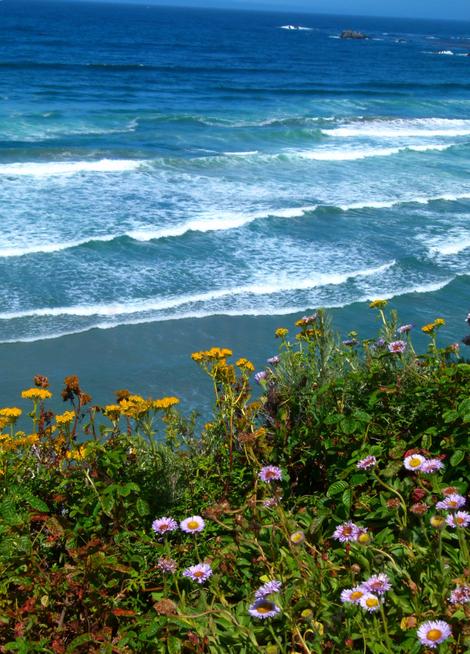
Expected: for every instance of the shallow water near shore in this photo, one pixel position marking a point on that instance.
(171, 180)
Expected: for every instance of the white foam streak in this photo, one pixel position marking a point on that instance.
(35, 169)
(262, 311)
(271, 286)
(357, 153)
(224, 222)
(423, 127)
(451, 247)
(387, 204)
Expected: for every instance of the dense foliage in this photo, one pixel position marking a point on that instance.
(326, 515)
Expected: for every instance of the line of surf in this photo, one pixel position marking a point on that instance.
(356, 154)
(271, 286)
(419, 127)
(226, 222)
(40, 169)
(191, 315)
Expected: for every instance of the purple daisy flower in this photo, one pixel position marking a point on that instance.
(350, 342)
(460, 595)
(458, 519)
(193, 524)
(433, 632)
(452, 502)
(431, 465)
(199, 573)
(368, 462)
(164, 525)
(263, 609)
(270, 473)
(353, 595)
(260, 376)
(404, 329)
(378, 584)
(370, 602)
(273, 361)
(397, 347)
(347, 532)
(167, 565)
(268, 589)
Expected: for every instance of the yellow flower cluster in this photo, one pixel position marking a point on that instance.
(281, 332)
(134, 406)
(430, 327)
(10, 415)
(20, 440)
(165, 403)
(244, 363)
(36, 394)
(216, 353)
(78, 453)
(378, 304)
(65, 418)
(113, 411)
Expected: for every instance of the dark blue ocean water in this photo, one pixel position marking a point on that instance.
(164, 164)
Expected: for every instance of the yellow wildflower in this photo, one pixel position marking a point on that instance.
(78, 453)
(429, 328)
(165, 403)
(36, 394)
(134, 406)
(112, 411)
(281, 332)
(65, 418)
(214, 353)
(10, 415)
(439, 321)
(244, 363)
(378, 304)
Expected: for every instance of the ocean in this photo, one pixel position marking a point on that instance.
(172, 179)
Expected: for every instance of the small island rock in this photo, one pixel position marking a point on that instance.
(351, 34)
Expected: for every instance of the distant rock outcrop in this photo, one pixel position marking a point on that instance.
(351, 34)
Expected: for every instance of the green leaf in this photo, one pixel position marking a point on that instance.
(142, 507)
(456, 458)
(37, 504)
(336, 488)
(346, 498)
(349, 425)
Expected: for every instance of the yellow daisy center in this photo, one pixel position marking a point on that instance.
(356, 595)
(193, 524)
(371, 601)
(198, 573)
(347, 531)
(415, 462)
(459, 520)
(364, 538)
(434, 634)
(264, 608)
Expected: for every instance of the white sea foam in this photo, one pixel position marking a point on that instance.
(199, 314)
(363, 153)
(37, 169)
(387, 204)
(271, 286)
(248, 153)
(223, 221)
(425, 127)
(449, 247)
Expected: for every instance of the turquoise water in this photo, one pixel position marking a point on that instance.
(166, 174)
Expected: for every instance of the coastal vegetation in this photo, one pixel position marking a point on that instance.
(324, 511)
